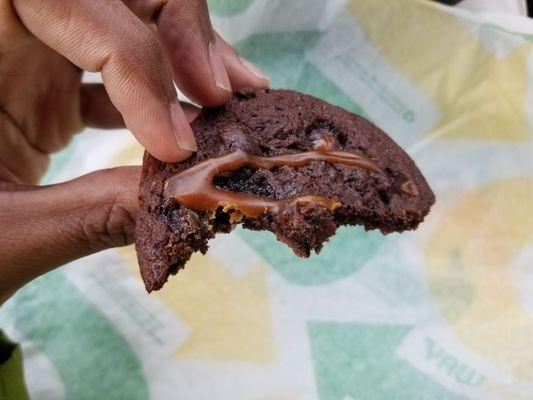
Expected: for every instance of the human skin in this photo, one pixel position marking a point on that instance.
(141, 48)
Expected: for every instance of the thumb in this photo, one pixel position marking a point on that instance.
(47, 226)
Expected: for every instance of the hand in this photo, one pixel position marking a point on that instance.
(138, 46)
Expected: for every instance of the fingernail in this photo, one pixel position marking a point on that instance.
(181, 128)
(218, 68)
(253, 69)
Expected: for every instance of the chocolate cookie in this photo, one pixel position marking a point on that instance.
(275, 160)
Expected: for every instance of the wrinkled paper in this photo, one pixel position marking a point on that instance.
(445, 312)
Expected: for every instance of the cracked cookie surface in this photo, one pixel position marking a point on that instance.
(272, 123)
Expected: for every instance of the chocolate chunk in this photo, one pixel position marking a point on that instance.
(392, 197)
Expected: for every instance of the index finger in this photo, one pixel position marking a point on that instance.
(105, 36)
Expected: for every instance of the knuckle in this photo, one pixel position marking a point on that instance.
(109, 224)
(186, 20)
(146, 10)
(12, 31)
(143, 47)
(139, 43)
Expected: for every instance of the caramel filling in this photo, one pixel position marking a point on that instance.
(194, 188)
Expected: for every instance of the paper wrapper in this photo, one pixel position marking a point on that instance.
(445, 312)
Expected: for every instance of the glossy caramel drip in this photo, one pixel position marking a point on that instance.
(194, 188)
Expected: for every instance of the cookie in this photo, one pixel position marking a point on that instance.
(275, 160)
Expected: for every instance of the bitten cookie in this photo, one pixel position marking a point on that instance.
(275, 160)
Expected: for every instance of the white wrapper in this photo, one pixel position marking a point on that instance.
(445, 312)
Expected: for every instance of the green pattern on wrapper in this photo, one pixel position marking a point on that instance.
(93, 359)
(228, 8)
(344, 254)
(282, 57)
(58, 162)
(12, 385)
(356, 361)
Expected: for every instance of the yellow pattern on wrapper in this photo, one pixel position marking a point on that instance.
(130, 154)
(440, 64)
(475, 245)
(228, 316)
(477, 237)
